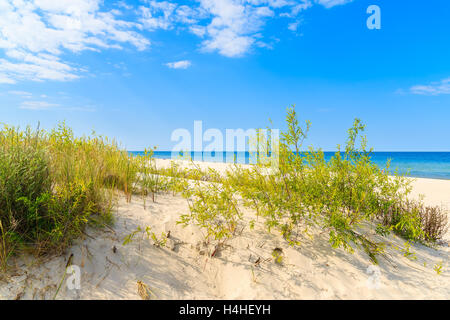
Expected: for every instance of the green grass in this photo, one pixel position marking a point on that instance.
(53, 184)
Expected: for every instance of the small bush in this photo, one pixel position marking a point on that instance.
(213, 208)
(414, 220)
(434, 222)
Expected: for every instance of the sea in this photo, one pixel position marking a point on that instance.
(434, 165)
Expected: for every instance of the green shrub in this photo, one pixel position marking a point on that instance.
(213, 208)
(348, 197)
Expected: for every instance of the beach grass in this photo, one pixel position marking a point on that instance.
(53, 184)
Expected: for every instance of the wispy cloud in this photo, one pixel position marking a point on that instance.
(41, 105)
(34, 34)
(183, 64)
(294, 26)
(123, 4)
(4, 79)
(332, 3)
(434, 88)
(24, 94)
(230, 27)
(233, 26)
(37, 105)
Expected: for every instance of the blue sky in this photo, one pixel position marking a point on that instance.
(137, 70)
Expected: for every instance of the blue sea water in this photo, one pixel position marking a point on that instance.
(434, 165)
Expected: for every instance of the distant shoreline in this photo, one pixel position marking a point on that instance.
(427, 164)
(436, 191)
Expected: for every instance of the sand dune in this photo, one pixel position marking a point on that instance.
(244, 269)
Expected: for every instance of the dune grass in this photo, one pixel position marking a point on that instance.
(53, 184)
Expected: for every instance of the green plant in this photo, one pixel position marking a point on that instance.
(213, 208)
(277, 255)
(150, 181)
(338, 196)
(161, 241)
(438, 267)
(53, 184)
(348, 196)
(147, 231)
(130, 237)
(406, 250)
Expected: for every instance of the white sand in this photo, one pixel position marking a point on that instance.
(436, 192)
(182, 271)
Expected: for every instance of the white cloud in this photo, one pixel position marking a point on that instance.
(40, 105)
(199, 31)
(167, 15)
(229, 27)
(228, 43)
(189, 15)
(434, 88)
(233, 25)
(21, 93)
(37, 35)
(34, 34)
(183, 64)
(5, 79)
(293, 26)
(298, 7)
(122, 4)
(22, 65)
(152, 22)
(306, 4)
(332, 3)
(37, 105)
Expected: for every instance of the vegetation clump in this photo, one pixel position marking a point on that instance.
(53, 184)
(348, 196)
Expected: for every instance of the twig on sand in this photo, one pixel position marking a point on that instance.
(82, 231)
(104, 277)
(108, 227)
(114, 264)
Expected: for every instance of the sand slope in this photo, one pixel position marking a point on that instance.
(244, 269)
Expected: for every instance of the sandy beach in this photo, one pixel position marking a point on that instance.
(244, 269)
